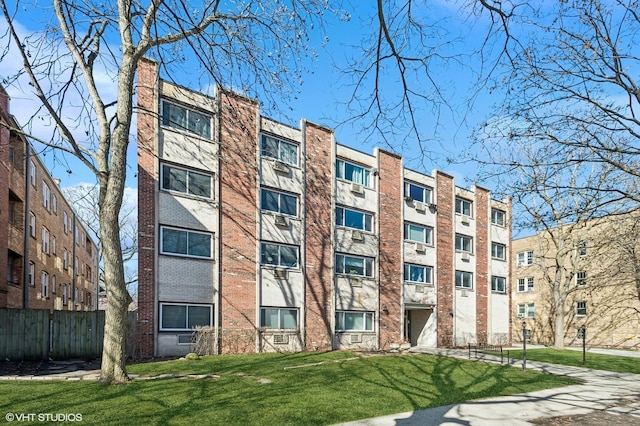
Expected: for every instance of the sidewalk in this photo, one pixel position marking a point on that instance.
(604, 398)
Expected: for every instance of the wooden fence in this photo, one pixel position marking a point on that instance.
(41, 334)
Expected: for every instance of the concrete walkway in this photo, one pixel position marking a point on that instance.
(613, 395)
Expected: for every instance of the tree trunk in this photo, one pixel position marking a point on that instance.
(558, 339)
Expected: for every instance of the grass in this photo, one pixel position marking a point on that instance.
(338, 390)
(620, 364)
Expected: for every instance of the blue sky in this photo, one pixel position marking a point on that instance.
(324, 90)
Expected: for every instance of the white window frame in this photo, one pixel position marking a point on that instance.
(32, 224)
(526, 284)
(278, 263)
(46, 236)
(497, 282)
(65, 259)
(32, 173)
(341, 173)
(280, 320)
(416, 192)
(46, 196)
(165, 122)
(65, 295)
(44, 282)
(367, 265)
(582, 248)
(187, 305)
(498, 217)
(526, 310)
(54, 246)
(464, 280)
(581, 308)
(279, 156)
(427, 273)
(54, 283)
(525, 258)
(54, 203)
(65, 222)
(187, 184)
(428, 233)
(581, 278)
(462, 241)
(367, 219)
(368, 318)
(280, 196)
(32, 274)
(188, 232)
(460, 207)
(494, 254)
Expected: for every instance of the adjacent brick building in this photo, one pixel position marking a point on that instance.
(280, 239)
(50, 260)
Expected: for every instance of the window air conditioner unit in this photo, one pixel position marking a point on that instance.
(185, 339)
(280, 274)
(355, 282)
(280, 220)
(356, 188)
(433, 208)
(419, 207)
(355, 338)
(280, 167)
(466, 257)
(465, 220)
(280, 339)
(356, 235)
(420, 248)
(464, 292)
(520, 315)
(419, 289)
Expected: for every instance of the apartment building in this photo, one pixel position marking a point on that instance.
(280, 239)
(595, 262)
(51, 262)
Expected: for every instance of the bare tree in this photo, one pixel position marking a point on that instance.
(247, 45)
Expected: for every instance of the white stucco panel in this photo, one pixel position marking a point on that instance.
(287, 292)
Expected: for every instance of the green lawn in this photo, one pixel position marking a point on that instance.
(340, 389)
(620, 364)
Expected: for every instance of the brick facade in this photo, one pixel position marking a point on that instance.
(445, 262)
(483, 254)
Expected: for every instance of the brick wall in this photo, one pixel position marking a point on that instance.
(390, 247)
(483, 253)
(238, 136)
(147, 181)
(4, 196)
(318, 229)
(445, 279)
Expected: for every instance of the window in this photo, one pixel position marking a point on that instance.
(44, 281)
(418, 273)
(32, 173)
(525, 258)
(417, 192)
(417, 233)
(278, 202)
(354, 321)
(12, 212)
(75, 266)
(463, 243)
(463, 207)
(279, 318)
(183, 317)
(65, 296)
(46, 196)
(526, 310)
(65, 259)
(45, 240)
(354, 265)
(53, 284)
(354, 219)
(498, 284)
(279, 255)
(185, 243)
(498, 217)
(186, 181)
(464, 279)
(498, 251)
(525, 284)
(65, 222)
(581, 278)
(582, 248)
(353, 173)
(12, 155)
(581, 309)
(32, 274)
(278, 149)
(32, 224)
(182, 118)
(54, 203)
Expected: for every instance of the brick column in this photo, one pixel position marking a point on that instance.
(482, 250)
(445, 279)
(319, 180)
(4, 196)
(238, 138)
(147, 184)
(390, 192)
